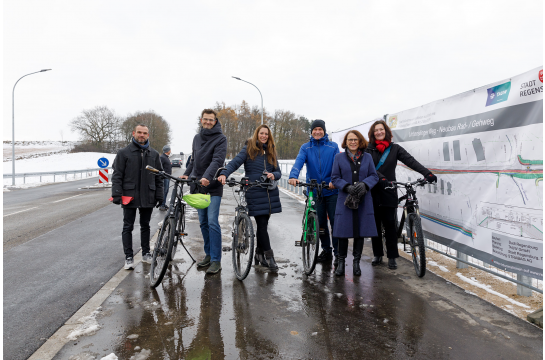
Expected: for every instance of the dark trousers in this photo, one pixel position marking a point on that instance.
(357, 248)
(262, 235)
(166, 183)
(325, 207)
(386, 216)
(129, 215)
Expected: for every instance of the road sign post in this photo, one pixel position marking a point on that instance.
(103, 172)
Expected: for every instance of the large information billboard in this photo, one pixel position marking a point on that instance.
(486, 148)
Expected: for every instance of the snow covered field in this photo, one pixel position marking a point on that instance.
(33, 149)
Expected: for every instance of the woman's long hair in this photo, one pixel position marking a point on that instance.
(254, 150)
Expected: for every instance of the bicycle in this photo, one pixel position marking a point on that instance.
(172, 231)
(243, 229)
(310, 239)
(414, 224)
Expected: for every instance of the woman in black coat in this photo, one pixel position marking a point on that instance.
(385, 201)
(259, 155)
(353, 173)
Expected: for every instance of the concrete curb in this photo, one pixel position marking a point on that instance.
(60, 338)
(536, 317)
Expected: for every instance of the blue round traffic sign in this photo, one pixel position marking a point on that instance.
(103, 163)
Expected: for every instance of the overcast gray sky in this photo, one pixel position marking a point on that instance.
(346, 62)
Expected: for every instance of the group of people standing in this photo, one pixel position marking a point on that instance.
(357, 201)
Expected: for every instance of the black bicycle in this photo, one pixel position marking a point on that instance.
(411, 214)
(310, 239)
(172, 231)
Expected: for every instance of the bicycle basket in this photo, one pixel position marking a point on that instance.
(198, 201)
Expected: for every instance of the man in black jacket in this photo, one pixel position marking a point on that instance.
(167, 167)
(208, 155)
(131, 179)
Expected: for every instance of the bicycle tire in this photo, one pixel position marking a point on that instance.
(418, 249)
(383, 238)
(243, 246)
(311, 244)
(162, 252)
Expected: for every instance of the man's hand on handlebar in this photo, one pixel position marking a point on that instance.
(184, 177)
(222, 179)
(293, 182)
(331, 186)
(205, 182)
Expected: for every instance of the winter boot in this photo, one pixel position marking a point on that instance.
(339, 271)
(258, 257)
(357, 250)
(269, 260)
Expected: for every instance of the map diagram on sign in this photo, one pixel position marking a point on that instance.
(515, 221)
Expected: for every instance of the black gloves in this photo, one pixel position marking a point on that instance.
(159, 202)
(116, 200)
(384, 182)
(431, 178)
(349, 189)
(360, 190)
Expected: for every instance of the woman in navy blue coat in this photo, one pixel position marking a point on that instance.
(354, 175)
(259, 155)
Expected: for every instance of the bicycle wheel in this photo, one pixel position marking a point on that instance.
(311, 244)
(180, 229)
(418, 249)
(243, 246)
(161, 252)
(383, 236)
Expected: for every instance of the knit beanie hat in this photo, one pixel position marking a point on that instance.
(166, 149)
(317, 123)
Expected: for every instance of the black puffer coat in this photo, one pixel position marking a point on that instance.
(260, 201)
(131, 178)
(388, 197)
(208, 155)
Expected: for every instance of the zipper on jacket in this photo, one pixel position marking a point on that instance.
(268, 196)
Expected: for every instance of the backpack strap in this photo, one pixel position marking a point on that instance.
(383, 158)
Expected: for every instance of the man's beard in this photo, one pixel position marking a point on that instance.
(140, 141)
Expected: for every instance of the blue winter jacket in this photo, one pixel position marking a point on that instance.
(318, 155)
(260, 201)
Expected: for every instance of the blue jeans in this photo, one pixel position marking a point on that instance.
(166, 183)
(210, 228)
(325, 206)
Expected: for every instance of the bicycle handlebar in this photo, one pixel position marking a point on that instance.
(162, 173)
(396, 184)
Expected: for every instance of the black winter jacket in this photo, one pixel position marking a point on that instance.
(208, 155)
(167, 165)
(131, 178)
(388, 197)
(260, 201)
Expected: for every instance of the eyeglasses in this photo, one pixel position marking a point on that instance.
(352, 140)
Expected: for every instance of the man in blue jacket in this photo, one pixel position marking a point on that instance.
(318, 155)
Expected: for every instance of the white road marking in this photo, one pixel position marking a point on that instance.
(66, 198)
(21, 211)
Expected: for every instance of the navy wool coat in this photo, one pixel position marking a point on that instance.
(342, 175)
(260, 201)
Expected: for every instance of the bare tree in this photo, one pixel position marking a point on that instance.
(159, 128)
(98, 127)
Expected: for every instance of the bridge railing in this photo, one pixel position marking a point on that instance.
(47, 176)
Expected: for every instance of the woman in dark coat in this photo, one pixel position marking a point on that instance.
(259, 155)
(354, 175)
(385, 201)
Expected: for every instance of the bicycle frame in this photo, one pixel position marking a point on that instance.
(309, 207)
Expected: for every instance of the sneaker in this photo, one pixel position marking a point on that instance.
(129, 264)
(324, 256)
(215, 266)
(146, 258)
(163, 208)
(204, 262)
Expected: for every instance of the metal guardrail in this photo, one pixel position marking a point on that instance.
(88, 173)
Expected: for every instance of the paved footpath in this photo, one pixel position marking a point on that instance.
(382, 314)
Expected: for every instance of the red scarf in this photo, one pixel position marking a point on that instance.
(381, 145)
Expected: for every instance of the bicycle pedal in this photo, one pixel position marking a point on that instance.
(298, 243)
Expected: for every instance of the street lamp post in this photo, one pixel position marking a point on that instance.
(234, 77)
(13, 126)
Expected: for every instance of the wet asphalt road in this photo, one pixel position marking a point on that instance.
(56, 257)
(383, 314)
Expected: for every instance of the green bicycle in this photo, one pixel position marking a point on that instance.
(310, 239)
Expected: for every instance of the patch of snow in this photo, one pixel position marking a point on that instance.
(487, 288)
(88, 326)
(110, 357)
(143, 355)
